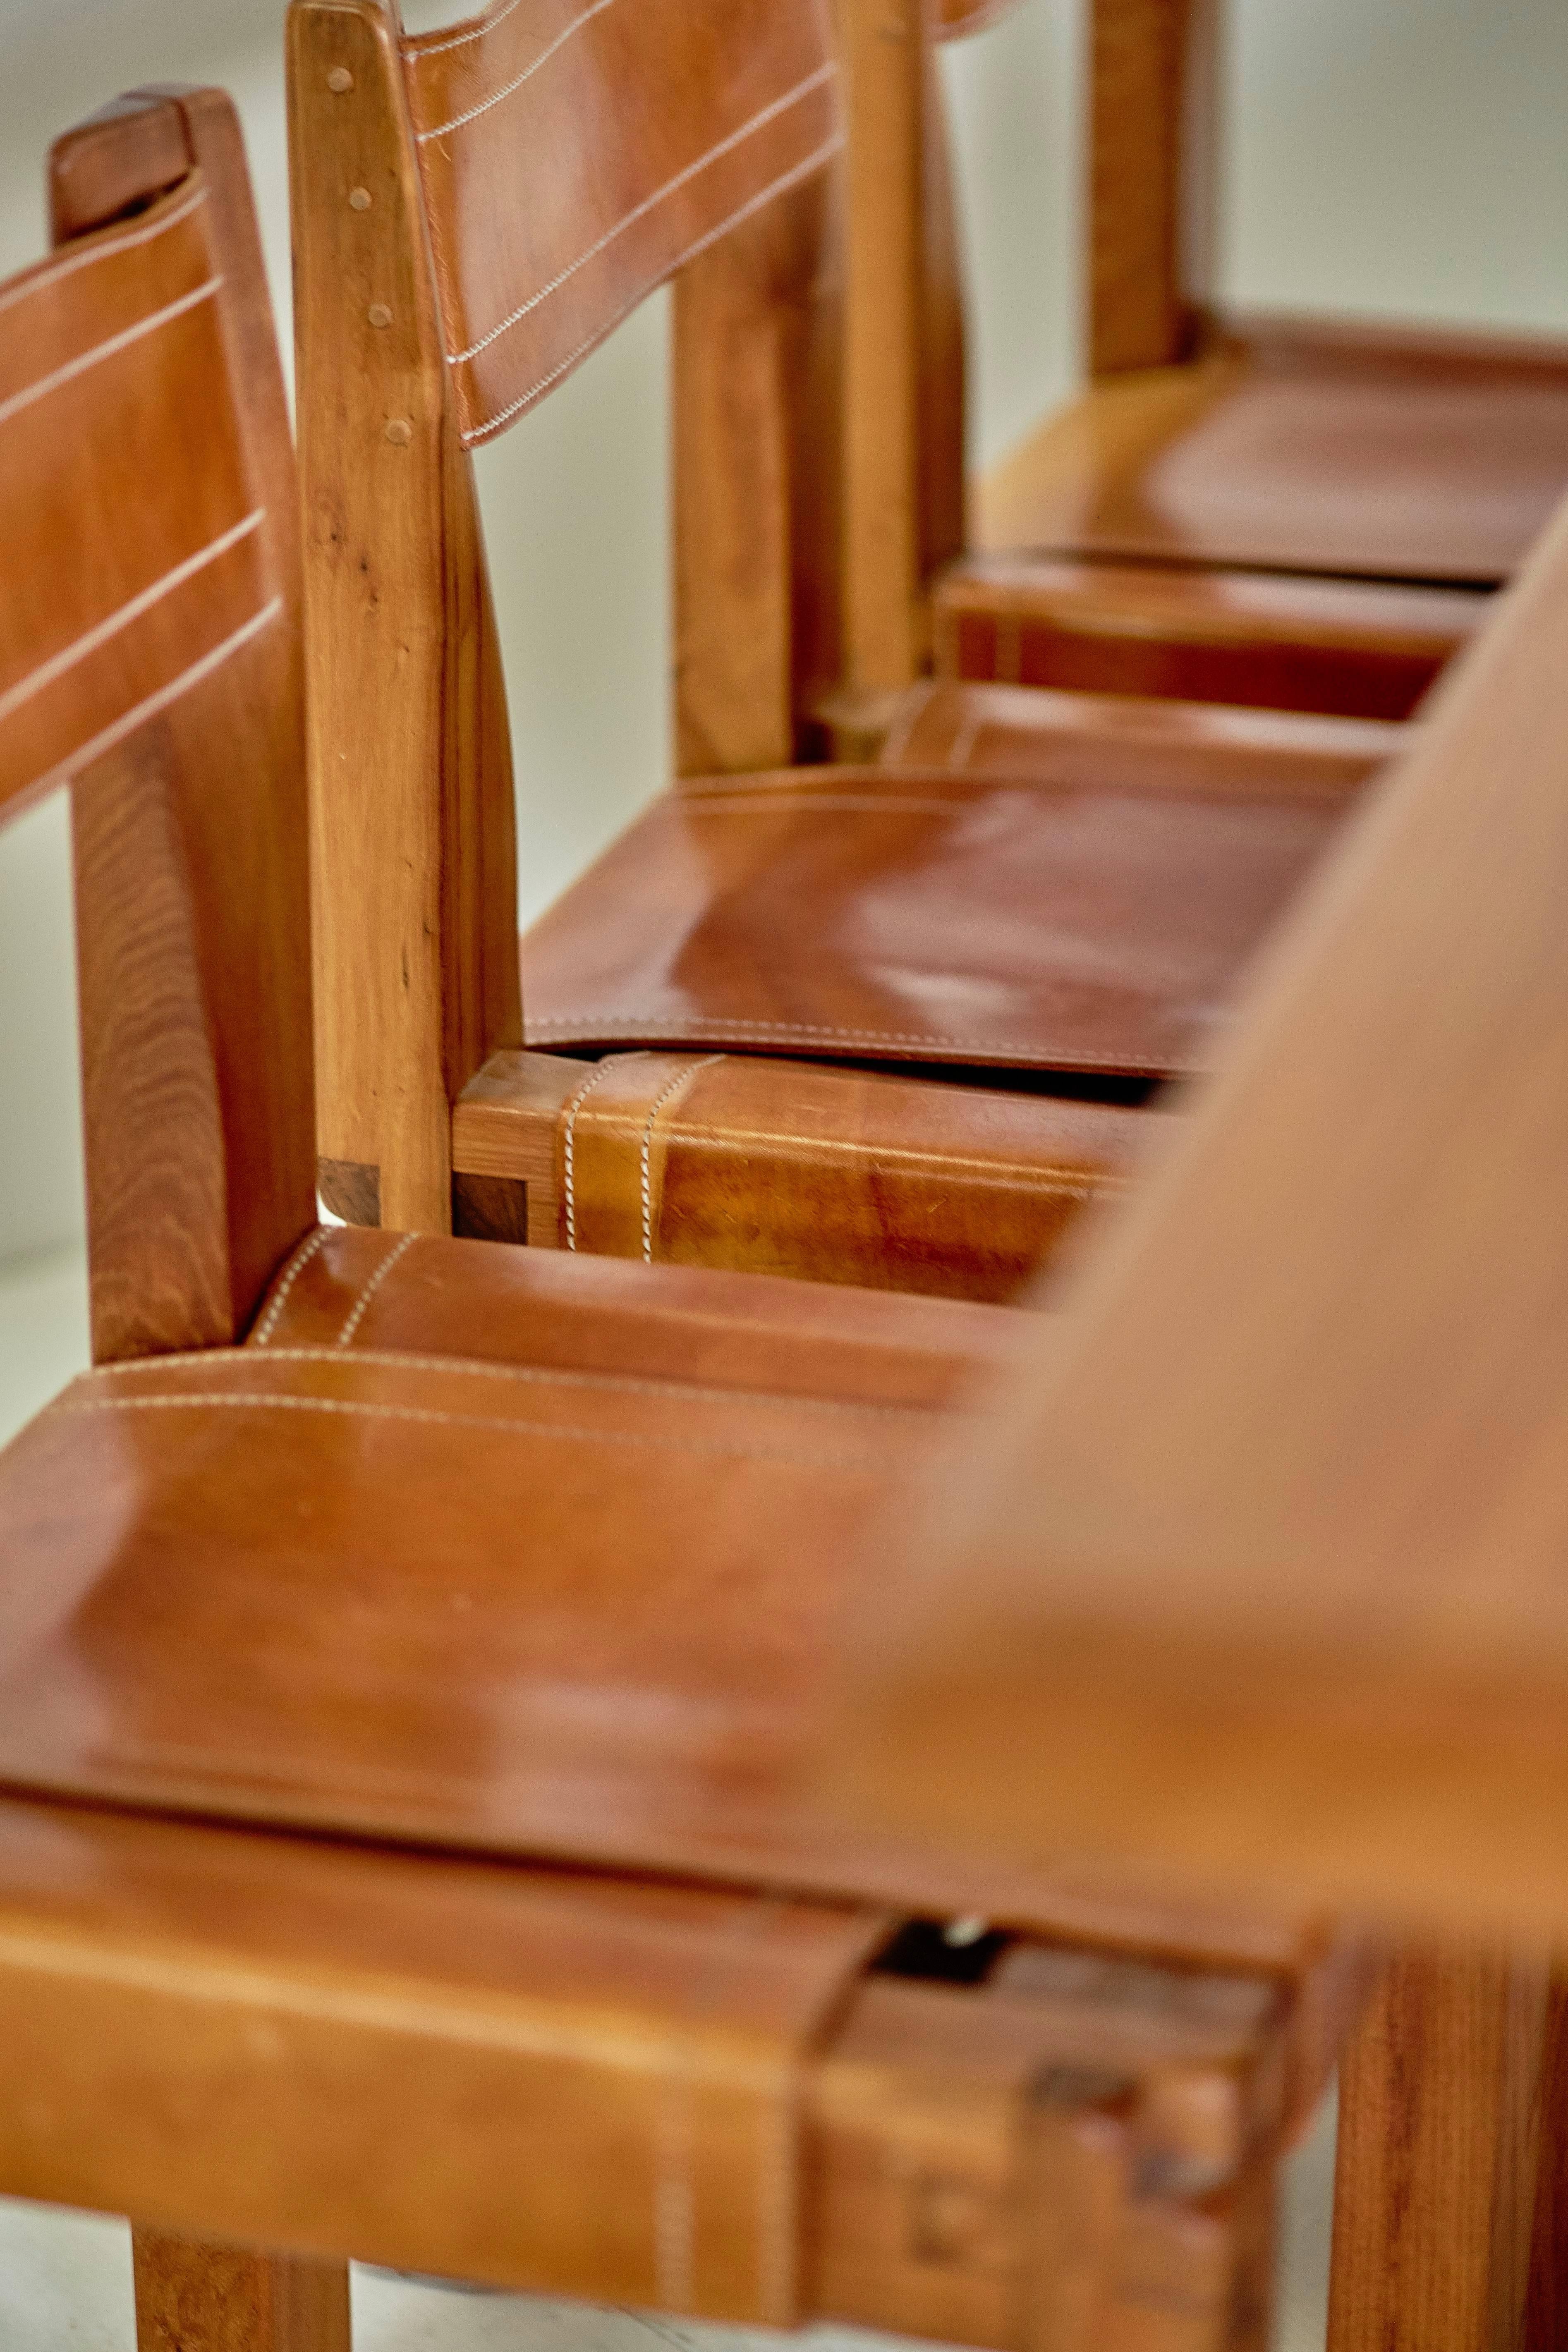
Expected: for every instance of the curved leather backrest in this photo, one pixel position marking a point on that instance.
(133, 545)
(574, 153)
(150, 656)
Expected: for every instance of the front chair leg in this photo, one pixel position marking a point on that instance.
(1435, 2186)
(196, 2297)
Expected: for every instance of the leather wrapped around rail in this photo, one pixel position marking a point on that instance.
(664, 123)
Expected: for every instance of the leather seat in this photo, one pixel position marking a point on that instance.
(589, 1317)
(1236, 528)
(1355, 452)
(558, 1602)
(1088, 741)
(924, 916)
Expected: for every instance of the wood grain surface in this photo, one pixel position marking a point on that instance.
(882, 42)
(1439, 2163)
(1153, 131)
(413, 855)
(757, 356)
(192, 2296)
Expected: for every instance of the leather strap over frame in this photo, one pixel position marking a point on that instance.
(667, 122)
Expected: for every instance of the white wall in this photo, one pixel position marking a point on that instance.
(1396, 155)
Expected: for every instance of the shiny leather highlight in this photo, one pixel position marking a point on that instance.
(1303, 445)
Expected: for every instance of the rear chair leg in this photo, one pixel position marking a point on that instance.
(196, 2297)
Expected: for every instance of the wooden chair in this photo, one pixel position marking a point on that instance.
(874, 935)
(1302, 512)
(408, 1643)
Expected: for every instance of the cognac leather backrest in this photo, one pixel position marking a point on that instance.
(572, 155)
(149, 658)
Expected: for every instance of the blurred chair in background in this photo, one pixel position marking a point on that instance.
(1308, 513)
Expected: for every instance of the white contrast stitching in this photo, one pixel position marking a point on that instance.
(106, 350)
(68, 655)
(70, 263)
(296, 1264)
(639, 212)
(527, 74)
(356, 1313)
(681, 1079)
(591, 1024)
(769, 800)
(569, 1141)
(675, 2203)
(149, 708)
(476, 433)
(356, 1410)
(913, 709)
(395, 1359)
(415, 52)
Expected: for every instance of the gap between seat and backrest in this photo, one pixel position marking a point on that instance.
(157, 672)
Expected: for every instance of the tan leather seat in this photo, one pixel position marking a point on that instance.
(522, 1609)
(591, 1317)
(924, 918)
(1235, 529)
(1090, 741)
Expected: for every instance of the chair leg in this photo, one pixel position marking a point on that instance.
(195, 2297)
(1434, 2186)
(1546, 2326)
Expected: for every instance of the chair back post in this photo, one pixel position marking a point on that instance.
(903, 364)
(757, 393)
(1154, 152)
(190, 841)
(413, 827)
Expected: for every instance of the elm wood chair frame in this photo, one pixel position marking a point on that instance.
(428, 1105)
(212, 2024)
(1073, 584)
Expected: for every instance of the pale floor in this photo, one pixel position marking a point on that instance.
(65, 2278)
